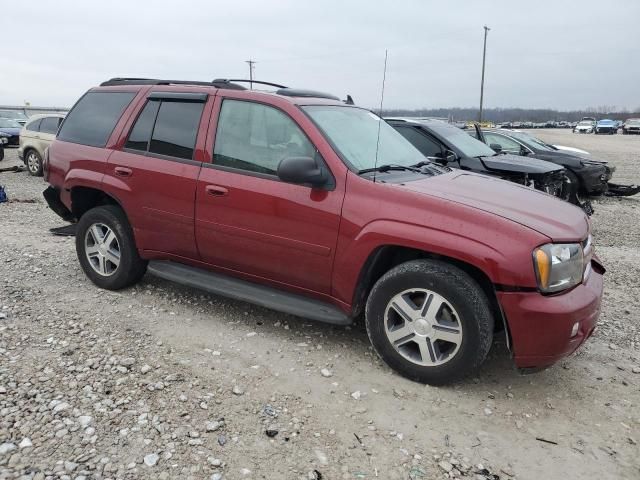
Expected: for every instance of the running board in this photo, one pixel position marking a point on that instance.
(237, 289)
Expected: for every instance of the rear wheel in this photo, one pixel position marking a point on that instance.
(429, 321)
(106, 248)
(34, 162)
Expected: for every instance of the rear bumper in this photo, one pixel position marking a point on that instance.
(540, 326)
(52, 196)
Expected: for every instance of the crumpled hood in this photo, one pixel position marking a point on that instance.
(516, 163)
(554, 218)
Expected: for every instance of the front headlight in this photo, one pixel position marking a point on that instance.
(4, 140)
(558, 266)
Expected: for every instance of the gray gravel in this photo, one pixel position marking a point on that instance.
(163, 382)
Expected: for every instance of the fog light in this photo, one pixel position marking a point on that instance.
(574, 330)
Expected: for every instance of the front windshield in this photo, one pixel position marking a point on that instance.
(635, 121)
(353, 132)
(460, 140)
(586, 122)
(13, 114)
(8, 123)
(531, 141)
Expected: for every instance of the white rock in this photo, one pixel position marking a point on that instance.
(237, 390)
(245, 471)
(488, 411)
(251, 334)
(145, 369)
(151, 459)
(61, 407)
(326, 372)
(216, 462)
(216, 476)
(356, 395)
(446, 466)
(7, 447)
(25, 443)
(213, 426)
(85, 420)
(70, 466)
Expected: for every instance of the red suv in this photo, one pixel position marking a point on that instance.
(299, 202)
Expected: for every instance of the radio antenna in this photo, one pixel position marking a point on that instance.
(384, 77)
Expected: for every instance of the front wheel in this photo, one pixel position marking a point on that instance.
(429, 321)
(106, 248)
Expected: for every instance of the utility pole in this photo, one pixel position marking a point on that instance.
(251, 64)
(484, 55)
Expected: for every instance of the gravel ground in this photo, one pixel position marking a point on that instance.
(163, 382)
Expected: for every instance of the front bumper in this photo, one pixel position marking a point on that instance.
(595, 177)
(606, 129)
(540, 326)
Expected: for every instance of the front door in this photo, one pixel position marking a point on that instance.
(250, 222)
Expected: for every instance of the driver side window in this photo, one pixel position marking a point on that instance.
(255, 138)
(427, 146)
(506, 143)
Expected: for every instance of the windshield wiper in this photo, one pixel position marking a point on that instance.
(422, 163)
(390, 166)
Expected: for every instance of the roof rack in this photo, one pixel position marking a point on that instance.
(154, 81)
(230, 80)
(226, 83)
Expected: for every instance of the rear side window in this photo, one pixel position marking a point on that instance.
(50, 125)
(167, 127)
(33, 126)
(94, 117)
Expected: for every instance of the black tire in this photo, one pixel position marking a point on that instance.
(575, 193)
(131, 267)
(1, 153)
(33, 161)
(460, 291)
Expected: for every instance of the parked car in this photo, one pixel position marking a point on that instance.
(454, 148)
(299, 202)
(35, 137)
(12, 129)
(587, 177)
(16, 115)
(606, 126)
(585, 126)
(4, 139)
(631, 126)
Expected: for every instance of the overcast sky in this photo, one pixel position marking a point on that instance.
(558, 54)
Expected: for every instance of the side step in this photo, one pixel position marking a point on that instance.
(249, 292)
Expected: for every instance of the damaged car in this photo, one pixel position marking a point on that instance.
(454, 148)
(587, 177)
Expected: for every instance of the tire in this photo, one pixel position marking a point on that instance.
(33, 160)
(460, 306)
(94, 240)
(1, 153)
(575, 194)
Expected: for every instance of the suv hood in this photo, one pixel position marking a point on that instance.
(554, 218)
(515, 163)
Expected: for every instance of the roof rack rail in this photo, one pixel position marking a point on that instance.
(295, 92)
(229, 80)
(154, 81)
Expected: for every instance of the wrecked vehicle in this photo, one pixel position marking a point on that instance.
(299, 202)
(450, 146)
(587, 177)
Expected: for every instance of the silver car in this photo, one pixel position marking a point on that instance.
(35, 137)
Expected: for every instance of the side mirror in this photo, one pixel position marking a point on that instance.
(302, 170)
(450, 156)
(524, 152)
(496, 147)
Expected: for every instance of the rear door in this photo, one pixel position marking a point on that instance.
(250, 222)
(47, 133)
(154, 174)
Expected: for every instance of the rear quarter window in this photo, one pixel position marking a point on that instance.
(94, 117)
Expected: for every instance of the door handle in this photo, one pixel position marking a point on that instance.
(123, 171)
(216, 190)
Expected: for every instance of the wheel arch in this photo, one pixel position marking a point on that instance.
(85, 198)
(386, 257)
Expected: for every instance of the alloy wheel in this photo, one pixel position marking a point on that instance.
(33, 162)
(423, 327)
(102, 249)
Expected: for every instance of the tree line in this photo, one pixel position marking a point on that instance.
(498, 115)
